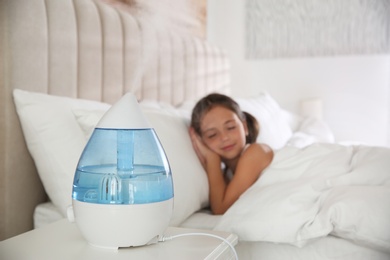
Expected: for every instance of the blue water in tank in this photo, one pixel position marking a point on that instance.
(123, 166)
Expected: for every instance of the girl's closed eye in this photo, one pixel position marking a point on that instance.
(231, 126)
(210, 135)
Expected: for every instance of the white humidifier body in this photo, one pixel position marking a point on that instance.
(123, 188)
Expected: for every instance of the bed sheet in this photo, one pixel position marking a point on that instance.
(46, 213)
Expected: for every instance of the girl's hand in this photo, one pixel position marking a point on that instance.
(201, 150)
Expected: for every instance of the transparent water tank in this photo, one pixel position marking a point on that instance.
(123, 166)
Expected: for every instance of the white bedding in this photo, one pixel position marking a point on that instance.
(310, 193)
(57, 128)
(46, 213)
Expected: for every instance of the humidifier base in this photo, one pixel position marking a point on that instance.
(114, 226)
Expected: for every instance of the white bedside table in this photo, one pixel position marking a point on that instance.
(62, 240)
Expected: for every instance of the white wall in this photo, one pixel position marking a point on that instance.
(355, 90)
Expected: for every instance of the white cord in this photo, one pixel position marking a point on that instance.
(165, 238)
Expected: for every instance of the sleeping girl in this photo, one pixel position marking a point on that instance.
(223, 134)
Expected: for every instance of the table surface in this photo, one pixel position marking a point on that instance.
(63, 240)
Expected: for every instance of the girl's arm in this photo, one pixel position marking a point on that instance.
(249, 168)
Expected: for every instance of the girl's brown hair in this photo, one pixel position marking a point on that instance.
(215, 99)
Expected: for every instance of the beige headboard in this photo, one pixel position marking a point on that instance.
(86, 49)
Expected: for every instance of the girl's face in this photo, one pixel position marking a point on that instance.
(223, 132)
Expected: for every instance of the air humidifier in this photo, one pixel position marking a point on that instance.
(122, 189)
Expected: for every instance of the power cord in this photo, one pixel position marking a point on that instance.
(166, 238)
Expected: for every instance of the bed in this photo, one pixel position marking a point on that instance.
(64, 63)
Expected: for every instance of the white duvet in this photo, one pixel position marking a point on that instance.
(316, 191)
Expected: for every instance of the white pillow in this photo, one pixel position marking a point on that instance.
(54, 139)
(87, 119)
(189, 178)
(56, 130)
(311, 130)
(275, 127)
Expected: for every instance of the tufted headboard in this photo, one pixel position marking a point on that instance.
(86, 49)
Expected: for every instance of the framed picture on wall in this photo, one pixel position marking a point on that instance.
(282, 28)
